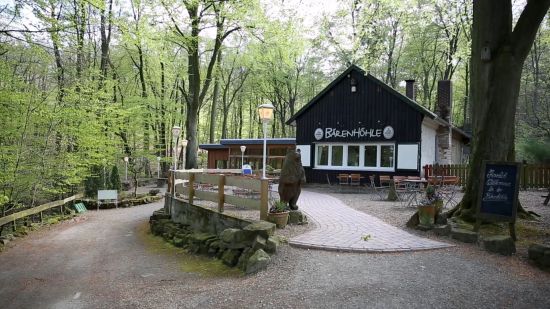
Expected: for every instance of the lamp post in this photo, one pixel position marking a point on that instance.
(266, 114)
(126, 168)
(243, 149)
(176, 130)
(158, 167)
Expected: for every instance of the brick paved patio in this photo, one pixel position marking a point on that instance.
(342, 228)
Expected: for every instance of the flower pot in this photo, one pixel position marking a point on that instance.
(279, 218)
(426, 214)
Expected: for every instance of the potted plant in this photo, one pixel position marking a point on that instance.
(278, 214)
(429, 207)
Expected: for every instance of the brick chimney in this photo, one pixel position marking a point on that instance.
(410, 90)
(444, 111)
(444, 100)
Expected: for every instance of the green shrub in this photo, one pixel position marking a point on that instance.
(115, 179)
(93, 182)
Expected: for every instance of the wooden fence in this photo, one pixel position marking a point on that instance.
(211, 187)
(38, 209)
(532, 175)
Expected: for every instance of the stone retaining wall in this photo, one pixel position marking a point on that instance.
(237, 242)
(201, 218)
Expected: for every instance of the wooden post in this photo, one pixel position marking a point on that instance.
(170, 181)
(14, 226)
(191, 187)
(512, 227)
(62, 212)
(41, 217)
(264, 197)
(221, 193)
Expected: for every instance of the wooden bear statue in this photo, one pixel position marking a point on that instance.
(292, 178)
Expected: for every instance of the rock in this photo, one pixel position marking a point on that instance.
(273, 243)
(440, 219)
(236, 239)
(178, 242)
(202, 237)
(536, 251)
(262, 228)
(259, 243)
(413, 221)
(540, 254)
(296, 217)
(464, 235)
(424, 228)
(500, 244)
(154, 192)
(4, 241)
(257, 262)
(230, 257)
(243, 259)
(442, 230)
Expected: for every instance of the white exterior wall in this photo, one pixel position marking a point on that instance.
(457, 152)
(427, 146)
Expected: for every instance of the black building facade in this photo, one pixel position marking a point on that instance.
(358, 124)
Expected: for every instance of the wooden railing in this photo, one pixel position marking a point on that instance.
(212, 187)
(38, 209)
(532, 175)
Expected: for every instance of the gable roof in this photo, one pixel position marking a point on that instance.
(412, 103)
(375, 80)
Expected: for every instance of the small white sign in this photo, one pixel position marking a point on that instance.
(319, 134)
(388, 132)
(305, 153)
(107, 194)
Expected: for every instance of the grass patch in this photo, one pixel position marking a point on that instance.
(188, 262)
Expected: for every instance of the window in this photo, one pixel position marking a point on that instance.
(322, 154)
(353, 155)
(365, 157)
(370, 155)
(337, 155)
(386, 158)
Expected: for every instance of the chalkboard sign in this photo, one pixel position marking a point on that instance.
(499, 191)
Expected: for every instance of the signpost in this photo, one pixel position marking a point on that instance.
(498, 200)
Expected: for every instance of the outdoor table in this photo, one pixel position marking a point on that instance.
(413, 189)
(416, 182)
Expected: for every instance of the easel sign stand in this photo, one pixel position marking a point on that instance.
(498, 195)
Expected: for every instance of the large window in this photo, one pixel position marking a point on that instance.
(322, 155)
(386, 158)
(372, 156)
(337, 155)
(353, 155)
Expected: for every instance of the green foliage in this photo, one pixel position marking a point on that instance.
(278, 206)
(115, 179)
(93, 182)
(538, 152)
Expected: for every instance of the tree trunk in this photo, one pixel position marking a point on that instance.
(495, 85)
(214, 109)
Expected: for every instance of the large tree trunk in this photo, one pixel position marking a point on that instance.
(495, 84)
(215, 97)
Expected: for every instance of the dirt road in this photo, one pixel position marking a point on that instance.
(109, 261)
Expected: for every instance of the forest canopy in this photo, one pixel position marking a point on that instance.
(85, 83)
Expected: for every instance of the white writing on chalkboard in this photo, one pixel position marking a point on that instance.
(493, 184)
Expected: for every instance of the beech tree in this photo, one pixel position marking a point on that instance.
(499, 50)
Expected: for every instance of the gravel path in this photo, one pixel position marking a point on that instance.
(108, 260)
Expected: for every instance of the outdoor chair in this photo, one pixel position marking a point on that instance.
(355, 179)
(343, 179)
(380, 191)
